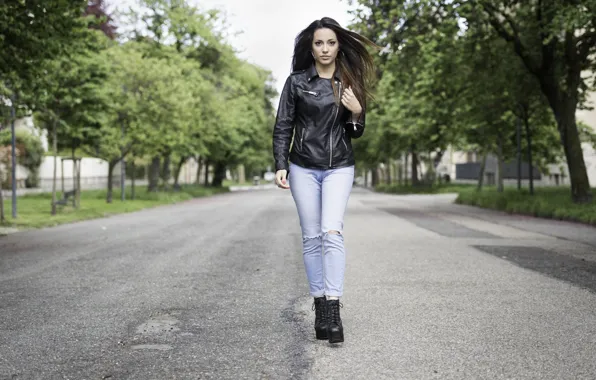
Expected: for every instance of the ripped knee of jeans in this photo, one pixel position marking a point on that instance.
(306, 238)
(332, 233)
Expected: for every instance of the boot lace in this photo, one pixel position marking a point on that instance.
(334, 316)
(319, 311)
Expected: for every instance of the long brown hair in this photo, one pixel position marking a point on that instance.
(354, 63)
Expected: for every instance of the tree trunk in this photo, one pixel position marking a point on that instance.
(500, 185)
(199, 168)
(123, 179)
(241, 173)
(54, 178)
(375, 178)
(529, 141)
(78, 183)
(438, 158)
(133, 179)
(415, 180)
(111, 166)
(400, 173)
(519, 153)
(166, 171)
(2, 217)
(388, 173)
(219, 174)
(578, 175)
(206, 174)
(154, 174)
(74, 175)
(436, 162)
(564, 106)
(406, 169)
(177, 173)
(481, 174)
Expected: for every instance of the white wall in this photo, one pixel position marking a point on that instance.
(94, 173)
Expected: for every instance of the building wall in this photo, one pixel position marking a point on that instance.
(589, 117)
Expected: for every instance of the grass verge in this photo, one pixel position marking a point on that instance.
(423, 189)
(33, 211)
(547, 202)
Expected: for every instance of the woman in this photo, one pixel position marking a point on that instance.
(322, 109)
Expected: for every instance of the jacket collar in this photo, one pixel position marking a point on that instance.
(312, 73)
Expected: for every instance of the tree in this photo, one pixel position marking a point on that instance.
(34, 32)
(556, 43)
(104, 20)
(73, 98)
(226, 126)
(553, 42)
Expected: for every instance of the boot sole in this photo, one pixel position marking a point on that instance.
(321, 334)
(336, 338)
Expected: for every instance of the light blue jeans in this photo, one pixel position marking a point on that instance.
(321, 197)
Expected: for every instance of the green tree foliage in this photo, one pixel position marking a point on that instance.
(228, 115)
(465, 73)
(164, 88)
(31, 34)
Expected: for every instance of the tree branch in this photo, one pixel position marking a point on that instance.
(513, 37)
(584, 44)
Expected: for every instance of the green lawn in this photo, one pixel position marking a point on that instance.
(423, 189)
(33, 211)
(547, 202)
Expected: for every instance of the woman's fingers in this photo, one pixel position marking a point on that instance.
(280, 179)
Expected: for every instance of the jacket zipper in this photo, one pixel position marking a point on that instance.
(311, 92)
(302, 138)
(331, 133)
(343, 141)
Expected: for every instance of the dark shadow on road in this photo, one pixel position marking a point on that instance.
(577, 271)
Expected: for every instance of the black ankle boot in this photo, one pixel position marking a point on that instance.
(320, 318)
(335, 329)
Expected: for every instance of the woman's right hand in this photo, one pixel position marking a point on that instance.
(281, 180)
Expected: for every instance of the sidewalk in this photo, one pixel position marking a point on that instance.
(431, 295)
(7, 230)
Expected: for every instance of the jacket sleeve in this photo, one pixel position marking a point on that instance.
(283, 130)
(355, 129)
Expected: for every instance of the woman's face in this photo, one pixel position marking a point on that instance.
(325, 46)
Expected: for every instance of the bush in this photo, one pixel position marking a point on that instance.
(31, 153)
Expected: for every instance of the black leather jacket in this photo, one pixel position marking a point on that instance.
(321, 130)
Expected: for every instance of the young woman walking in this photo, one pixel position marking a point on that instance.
(321, 109)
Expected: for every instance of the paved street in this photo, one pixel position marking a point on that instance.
(214, 288)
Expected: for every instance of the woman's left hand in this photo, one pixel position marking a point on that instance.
(350, 101)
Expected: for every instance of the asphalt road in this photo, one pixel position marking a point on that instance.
(215, 288)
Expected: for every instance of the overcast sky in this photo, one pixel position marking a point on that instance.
(270, 26)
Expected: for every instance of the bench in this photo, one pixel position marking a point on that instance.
(65, 196)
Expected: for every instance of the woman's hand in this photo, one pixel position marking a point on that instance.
(351, 102)
(280, 179)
